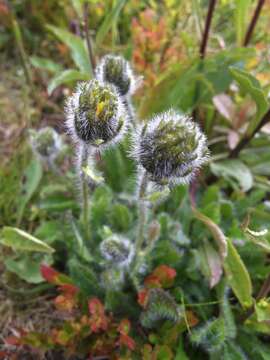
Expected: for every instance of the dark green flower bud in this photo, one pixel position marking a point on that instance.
(171, 148)
(160, 307)
(116, 70)
(95, 114)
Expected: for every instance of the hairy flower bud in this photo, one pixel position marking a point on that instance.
(95, 114)
(171, 147)
(117, 250)
(46, 142)
(117, 71)
(160, 306)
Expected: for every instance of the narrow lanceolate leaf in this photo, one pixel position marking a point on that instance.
(77, 47)
(45, 64)
(109, 21)
(32, 175)
(216, 232)
(21, 240)
(238, 276)
(242, 8)
(66, 77)
(250, 85)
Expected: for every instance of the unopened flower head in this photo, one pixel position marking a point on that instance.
(95, 114)
(117, 71)
(117, 250)
(46, 142)
(160, 307)
(171, 148)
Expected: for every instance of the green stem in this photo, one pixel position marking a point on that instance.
(85, 192)
(142, 212)
(19, 41)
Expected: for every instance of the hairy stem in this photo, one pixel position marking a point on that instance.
(85, 191)
(246, 139)
(88, 37)
(130, 110)
(253, 22)
(142, 211)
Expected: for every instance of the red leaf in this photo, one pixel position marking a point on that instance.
(127, 341)
(162, 276)
(143, 297)
(124, 327)
(12, 340)
(96, 307)
(49, 274)
(3, 355)
(98, 320)
(69, 289)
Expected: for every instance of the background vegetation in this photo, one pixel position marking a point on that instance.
(206, 58)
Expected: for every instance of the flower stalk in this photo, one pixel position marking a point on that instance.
(141, 211)
(85, 191)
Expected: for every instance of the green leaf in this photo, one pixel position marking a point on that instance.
(77, 47)
(50, 231)
(233, 352)
(45, 64)
(65, 77)
(241, 16)
(249, 84)
(109, 21)
(78, 7)
(238, 276)
(21, 240)
(57, 202)
(262, 310)
(26, 268)
(211, 335)
(234, 169)
(216, 232)
(120, 217)
(32, 176)
(84, 277)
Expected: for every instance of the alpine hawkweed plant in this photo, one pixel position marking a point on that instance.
(168, 150)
